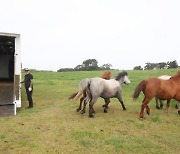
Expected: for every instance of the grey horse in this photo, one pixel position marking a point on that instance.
(98, 87)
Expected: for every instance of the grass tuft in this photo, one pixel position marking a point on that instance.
(116, 142)
(155, 118)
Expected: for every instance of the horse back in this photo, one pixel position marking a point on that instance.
(104, 88)
(165, 89)
(106, 75)
(152, 87)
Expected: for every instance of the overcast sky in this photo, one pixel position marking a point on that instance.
(63, 33)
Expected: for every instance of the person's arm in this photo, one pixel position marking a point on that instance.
(31, 83)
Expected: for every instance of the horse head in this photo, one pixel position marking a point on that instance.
(123, 75)
(126, 80)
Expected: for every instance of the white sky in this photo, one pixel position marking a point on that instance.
(63, 33)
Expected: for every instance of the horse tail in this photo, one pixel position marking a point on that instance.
(82, 87)
(88, 90)
(73, 95)
(140, 87)
(78, 94)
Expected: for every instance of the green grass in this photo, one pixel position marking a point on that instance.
(54, 126)
(116, 142)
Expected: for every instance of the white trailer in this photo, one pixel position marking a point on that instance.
(10, 73)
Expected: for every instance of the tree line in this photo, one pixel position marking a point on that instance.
(87, 65)
(92, 64)
(160, 65)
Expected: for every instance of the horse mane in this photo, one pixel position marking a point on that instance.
(121, 74)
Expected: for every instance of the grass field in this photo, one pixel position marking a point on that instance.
(54, 126)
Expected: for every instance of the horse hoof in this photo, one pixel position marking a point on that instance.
(82, 112)
(77, 110)
(176, 107)
(148, 112)
(165, 111)
(105, 111)
(157, 107)
(141, 118)
(91, 116)
(124, 108)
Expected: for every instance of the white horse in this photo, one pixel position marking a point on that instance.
(98, 87)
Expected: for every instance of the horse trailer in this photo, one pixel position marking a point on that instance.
(10, 73)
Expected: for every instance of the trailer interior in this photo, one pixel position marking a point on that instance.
(7, 50)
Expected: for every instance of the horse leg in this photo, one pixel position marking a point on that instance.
(80, 104)
(84, 96)
(178, 111)
(107, 101)
(121, 101)
(144, 104)
(167, 106)
(84, 105)
(91, 103)
(147, 110)
(93, 110)
(81, 100)
(176, 106)
(157, 104)
(161, 104)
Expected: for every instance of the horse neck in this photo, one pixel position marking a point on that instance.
(121, 80)
(175, 79)
(177, 75)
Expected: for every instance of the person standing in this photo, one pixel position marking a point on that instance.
(28, 84)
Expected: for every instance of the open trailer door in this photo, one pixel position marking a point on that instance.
(10, 73)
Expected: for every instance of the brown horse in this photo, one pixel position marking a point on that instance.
(162, 89)
(106, 75)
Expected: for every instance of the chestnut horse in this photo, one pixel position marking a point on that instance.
(163, 77)
(162, 89)
(82, 86)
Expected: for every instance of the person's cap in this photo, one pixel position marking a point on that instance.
(26, 69)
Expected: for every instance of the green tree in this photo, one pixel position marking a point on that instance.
(149, 66)
(137, 68)
(106, 66)
(172, 64)
(78, 68)
(162, 65)
(90, 64)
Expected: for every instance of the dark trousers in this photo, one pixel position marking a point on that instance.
(29, 97)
